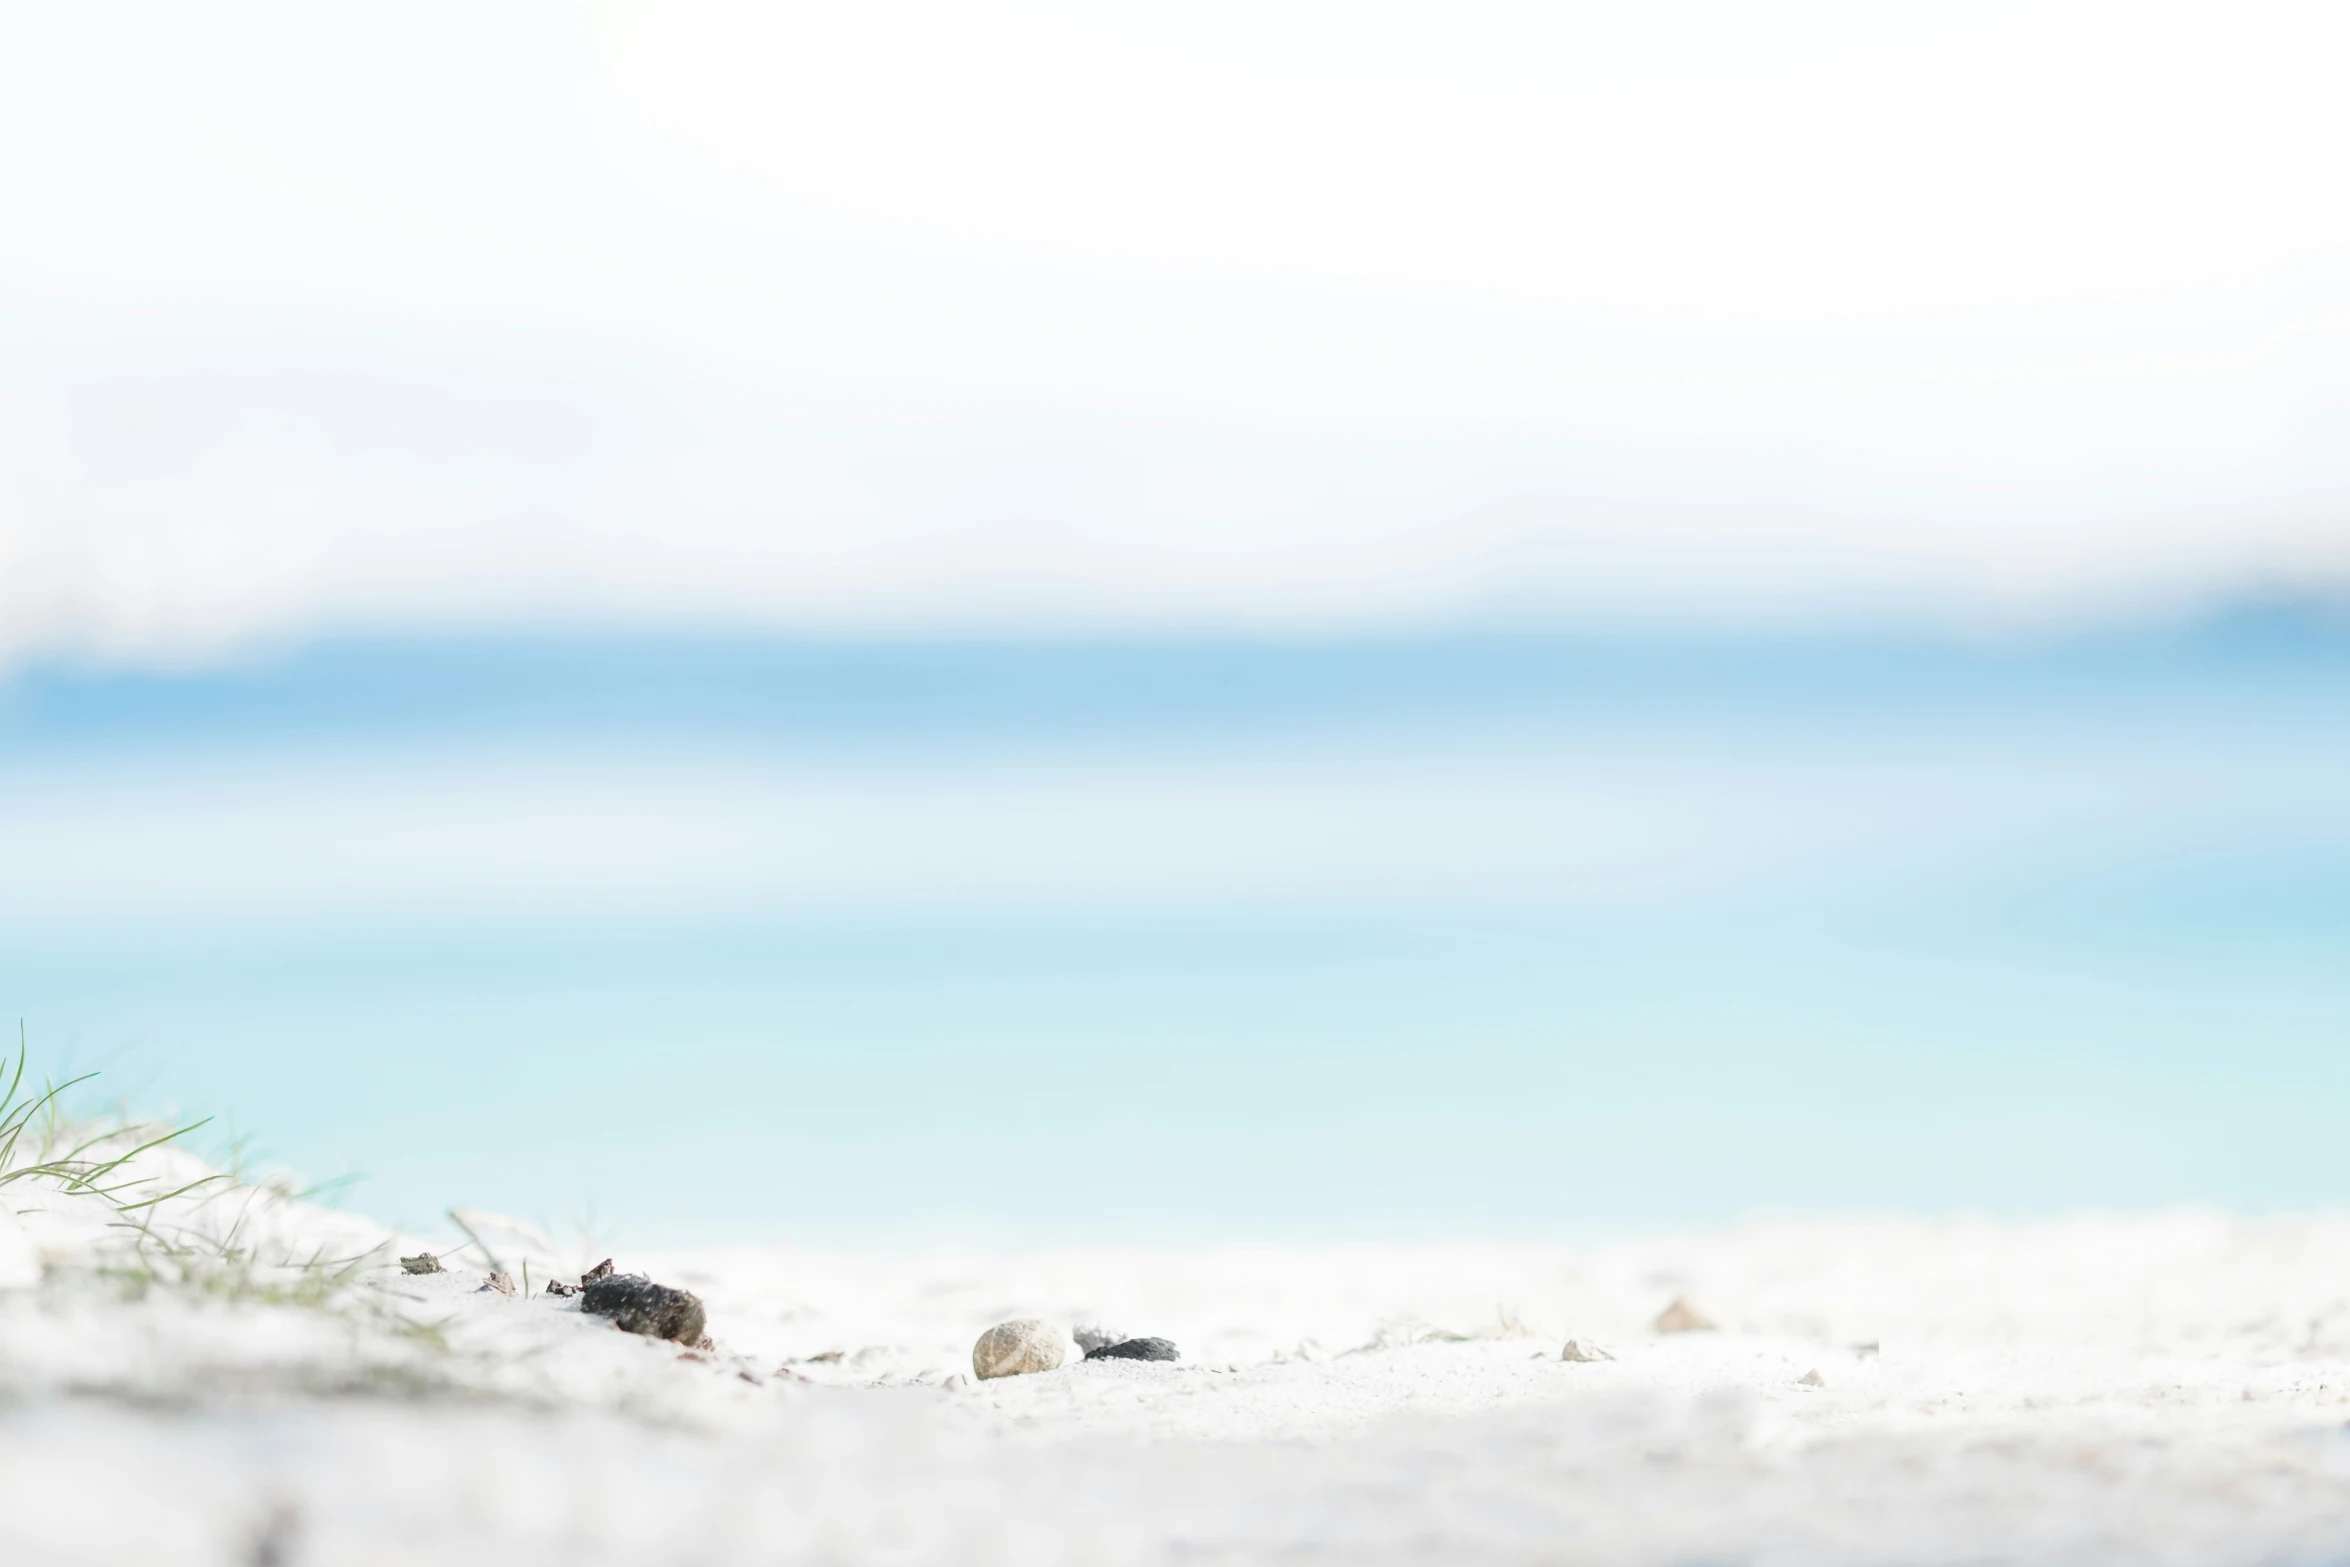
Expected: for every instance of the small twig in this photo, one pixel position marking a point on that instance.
(488, 1255)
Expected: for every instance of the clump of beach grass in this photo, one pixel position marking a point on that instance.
(76, 1171)
(151, 1276)
(163, 1228)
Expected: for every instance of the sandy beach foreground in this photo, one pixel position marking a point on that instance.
(2170, 1387)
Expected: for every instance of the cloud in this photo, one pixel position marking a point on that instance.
(914, 317)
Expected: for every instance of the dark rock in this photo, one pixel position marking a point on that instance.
(602, 1270)
(637, 1305)
(422, 1262)
(558, 1287)
(1136, 1349)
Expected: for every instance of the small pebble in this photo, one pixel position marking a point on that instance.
(1812, 1379)
(1136, 1349)
(1016, 1348)
(422, 1262)
(496, 1281)
(1681, 1317)
(1578, 1350)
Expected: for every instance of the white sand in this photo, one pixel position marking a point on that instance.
(2165, 1388)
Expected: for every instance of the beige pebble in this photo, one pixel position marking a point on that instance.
(1681, 1317)
(1011, 1349)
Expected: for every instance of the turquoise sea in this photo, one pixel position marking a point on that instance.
(700, 937)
